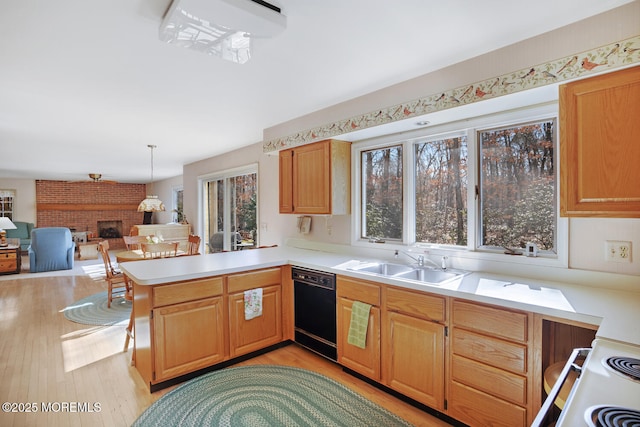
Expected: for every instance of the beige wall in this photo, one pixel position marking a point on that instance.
(614, 25)
(164, 190)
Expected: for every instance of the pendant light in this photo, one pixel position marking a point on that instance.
(151, 203)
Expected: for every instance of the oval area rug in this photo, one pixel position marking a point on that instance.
(93, 310)
(265, 395)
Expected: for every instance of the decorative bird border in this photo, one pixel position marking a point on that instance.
(614, 55)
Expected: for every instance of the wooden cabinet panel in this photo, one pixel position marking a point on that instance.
(188, 291)
(494, 373)
(414, 358)
(246, 336)
(476, 408)
(497, 322)
(10, 261)
(286, 181)
(358, 290)
(312, 179)
(417, 304)
(495, 352)
(187, 337)
(364, 361)
(504, 385)
(316, 178)
(599, 125)
(254, 279)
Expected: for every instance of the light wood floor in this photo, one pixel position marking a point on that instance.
(46, 359)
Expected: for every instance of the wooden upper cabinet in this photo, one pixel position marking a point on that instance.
(599, 149)
(286, 181)
(315, 178)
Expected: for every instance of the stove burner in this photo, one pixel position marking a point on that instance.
(627, 366)
(612, 416)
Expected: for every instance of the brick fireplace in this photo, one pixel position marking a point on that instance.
(85, 205)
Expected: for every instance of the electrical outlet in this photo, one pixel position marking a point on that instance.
(617, 251)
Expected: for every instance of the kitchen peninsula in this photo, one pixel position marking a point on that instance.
(175, 297)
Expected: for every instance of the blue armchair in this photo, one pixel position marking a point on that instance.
(51, 249)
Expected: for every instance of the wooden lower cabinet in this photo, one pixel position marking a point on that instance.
(477, 363)
(365, 361)
(495, 374)
(183, 327)
(413, 354)
(246, 336)
(405, 339)
(414, 359)
(249, 335)
(188, 337)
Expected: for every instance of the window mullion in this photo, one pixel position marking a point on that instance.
(409, 194)
(473, 182)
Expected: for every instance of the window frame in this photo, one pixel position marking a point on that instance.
(8, 194)
(225, 175)
(470, 127)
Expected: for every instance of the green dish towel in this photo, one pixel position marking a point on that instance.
(359, 323)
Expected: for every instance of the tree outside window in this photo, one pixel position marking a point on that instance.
(518, 182)
(382, 175)
(441, 191)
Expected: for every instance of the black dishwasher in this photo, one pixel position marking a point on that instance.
(315, 311)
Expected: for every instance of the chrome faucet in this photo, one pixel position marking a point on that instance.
(420, 260)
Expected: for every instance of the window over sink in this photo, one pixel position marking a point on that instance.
(487, 184)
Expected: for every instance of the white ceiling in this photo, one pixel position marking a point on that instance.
(85, 85)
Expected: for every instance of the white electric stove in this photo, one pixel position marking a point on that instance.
(607, 392)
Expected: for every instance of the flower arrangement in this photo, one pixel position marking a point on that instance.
(154, 239)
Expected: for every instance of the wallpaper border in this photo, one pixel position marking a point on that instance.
(610, 56)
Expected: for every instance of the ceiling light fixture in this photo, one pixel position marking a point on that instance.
(223, 28)
(151, 203)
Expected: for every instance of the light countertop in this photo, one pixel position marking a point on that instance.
(617, 312)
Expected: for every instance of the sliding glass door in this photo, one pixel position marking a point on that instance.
(230, 210)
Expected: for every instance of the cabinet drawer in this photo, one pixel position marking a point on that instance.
(418, 304)
(8, 255)
(496, 382)
(491, 351)
(186, 291)
(479, 409)
(254, 279)
(8, 264)
(358, 290)
(496, 322)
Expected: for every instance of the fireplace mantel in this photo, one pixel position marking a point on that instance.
(86, 207)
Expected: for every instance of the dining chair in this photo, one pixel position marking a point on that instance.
(116, 280)
(160, 250)
(134, 242)
(193, 247)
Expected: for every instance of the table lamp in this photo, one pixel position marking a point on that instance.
(5, 224)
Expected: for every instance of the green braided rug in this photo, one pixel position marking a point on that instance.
(265, 395)
(93, 310)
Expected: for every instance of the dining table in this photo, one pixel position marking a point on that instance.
(137, 255)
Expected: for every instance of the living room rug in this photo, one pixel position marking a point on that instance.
(265, 395)
(93, 310)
